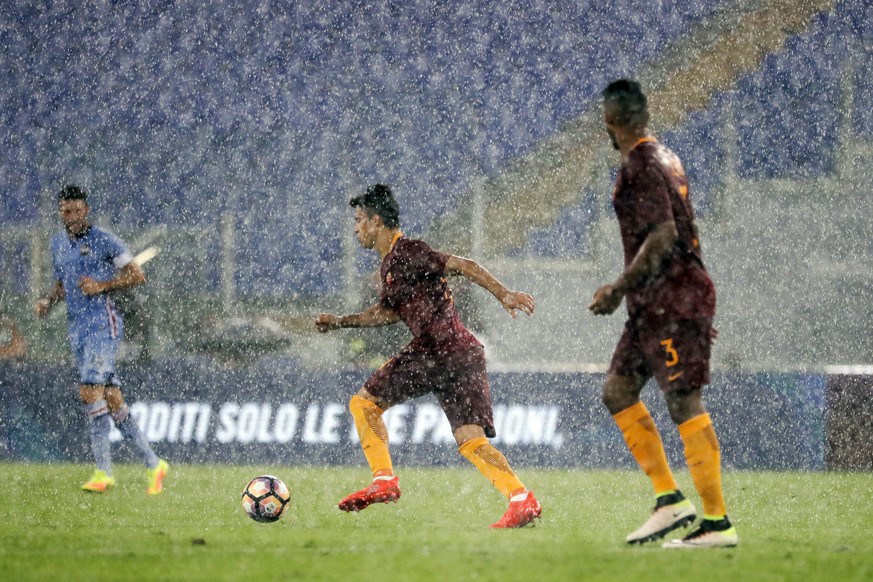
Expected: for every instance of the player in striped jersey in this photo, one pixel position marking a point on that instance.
(90, 263)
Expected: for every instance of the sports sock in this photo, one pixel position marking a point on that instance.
(98, 415)
(704, 463)
(492, 464)
(373, 434)
(131, 431)
(644, 443)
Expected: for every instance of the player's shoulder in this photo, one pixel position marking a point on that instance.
(646, 152)
(408, 245)
(57, 238)
(650, 157)
(100, 232)
(104, 235)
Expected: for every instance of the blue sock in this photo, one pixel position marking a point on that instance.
(98, 414)
(131, 431)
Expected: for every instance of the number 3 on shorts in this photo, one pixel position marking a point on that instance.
(672, 354)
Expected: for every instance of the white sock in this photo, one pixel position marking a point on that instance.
(520, 497)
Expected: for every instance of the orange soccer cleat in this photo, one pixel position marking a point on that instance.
(99, 482)
(379, 491)
(156, 477)
(520, 512)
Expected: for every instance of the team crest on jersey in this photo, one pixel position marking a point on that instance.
(389, 278)
(84, 250)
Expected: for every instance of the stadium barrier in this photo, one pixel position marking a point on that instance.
(849, 422)
(271, 411)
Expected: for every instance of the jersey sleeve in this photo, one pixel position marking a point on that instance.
(435, 261)
(650, 193)
(117, 251)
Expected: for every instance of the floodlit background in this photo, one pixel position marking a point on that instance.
(230, 135)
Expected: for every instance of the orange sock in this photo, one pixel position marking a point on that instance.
(373, 434)
(704, 463)
(644, 442)
(492, 464)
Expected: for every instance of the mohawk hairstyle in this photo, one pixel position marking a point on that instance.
(379, 200)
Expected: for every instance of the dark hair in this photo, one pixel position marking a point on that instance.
(72, 192)
(631, 105)
(378, 199)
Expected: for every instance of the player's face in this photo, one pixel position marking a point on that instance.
(366, 228)
(74, 215)
(608, 118)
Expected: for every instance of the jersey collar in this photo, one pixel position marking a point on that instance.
(643, 140)
(394, 240)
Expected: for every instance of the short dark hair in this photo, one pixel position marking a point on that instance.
(72, 192)
(631, 105)
(378, 199)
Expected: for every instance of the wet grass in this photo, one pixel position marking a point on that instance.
(792, 526)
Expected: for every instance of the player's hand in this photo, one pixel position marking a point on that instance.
(326, 322)
(606, 300)
(518, 301)
(90, 286)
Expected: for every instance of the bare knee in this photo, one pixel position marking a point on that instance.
(468, 432)
(684, 405)
(620, 392)
(114, 398)
(91, 393)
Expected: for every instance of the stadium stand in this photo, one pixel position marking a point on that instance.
(179, 114)
(179, 102)
(786, 126)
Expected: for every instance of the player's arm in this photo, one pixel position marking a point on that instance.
(130, 275)
(45, 304)
(658, 244)
(375, 316)
(510, 300)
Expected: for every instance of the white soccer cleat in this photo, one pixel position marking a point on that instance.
(709, 534)
(671, 511)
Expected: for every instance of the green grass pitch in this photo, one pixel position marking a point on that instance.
(792, 526)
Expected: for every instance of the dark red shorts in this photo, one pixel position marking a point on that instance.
(457, 378)
(676, 353)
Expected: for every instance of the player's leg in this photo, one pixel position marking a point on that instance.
(156, 468)
(627, 375)
(679, 356)
(399, 379)
(703, 455)
(367, 412)
(475, 447)
(465, 397)
(97, 412)
(94, 350)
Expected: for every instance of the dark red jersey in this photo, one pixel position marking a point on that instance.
(652, 188)
(414, 286)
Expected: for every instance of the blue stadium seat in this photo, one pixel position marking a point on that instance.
(789, 127)
(168, 115)
(568, 235)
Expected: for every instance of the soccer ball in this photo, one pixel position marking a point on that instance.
(266, 498)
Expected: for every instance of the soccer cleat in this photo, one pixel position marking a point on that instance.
(711, 533)
(98, 483)
(520, 513)
(156, 477)
(671, 511)
(379, 491)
